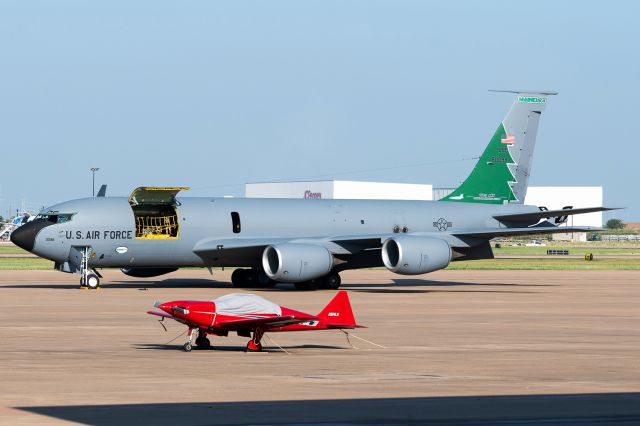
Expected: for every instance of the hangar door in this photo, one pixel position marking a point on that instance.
(155, 212)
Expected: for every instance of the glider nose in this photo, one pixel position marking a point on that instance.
(165, 307)
(25, 236)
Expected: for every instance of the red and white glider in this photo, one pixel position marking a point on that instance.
(252, 316)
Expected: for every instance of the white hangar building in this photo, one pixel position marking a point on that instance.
(552, 197)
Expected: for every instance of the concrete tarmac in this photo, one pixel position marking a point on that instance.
(459, 347)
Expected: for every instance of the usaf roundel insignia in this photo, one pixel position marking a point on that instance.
(442, 224)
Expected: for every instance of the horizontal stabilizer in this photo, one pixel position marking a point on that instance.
(344, 326)
(547, 214)
(528, 92)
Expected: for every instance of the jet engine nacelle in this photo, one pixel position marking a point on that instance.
(146, 272)
(413, 255)
(292, 263)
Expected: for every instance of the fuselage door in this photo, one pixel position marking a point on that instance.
(155, 212)
(154, 195)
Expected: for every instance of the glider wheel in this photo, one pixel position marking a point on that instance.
(252, 347)
(203, 343)
(187, 347)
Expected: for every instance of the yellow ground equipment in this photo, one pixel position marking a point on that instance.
(156, 216)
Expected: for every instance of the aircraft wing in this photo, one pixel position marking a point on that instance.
(514, 232)
(546, 214)
(166, 315)
(267, 323)
(252, 248)
(160, 314)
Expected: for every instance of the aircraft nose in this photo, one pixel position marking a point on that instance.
(165, 307)
(25, 236)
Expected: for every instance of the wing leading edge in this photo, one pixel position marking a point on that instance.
(514, 232)
(547, 214)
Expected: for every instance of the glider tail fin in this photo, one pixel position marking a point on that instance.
(338, 312)
(501, 174)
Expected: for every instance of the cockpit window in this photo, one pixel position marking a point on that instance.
(55, 217)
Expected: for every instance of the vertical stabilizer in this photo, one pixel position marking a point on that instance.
(338, 312)
(502, 173)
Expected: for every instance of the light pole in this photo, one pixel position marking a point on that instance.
(93, 180)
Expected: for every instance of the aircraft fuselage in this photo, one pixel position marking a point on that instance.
(108, 225)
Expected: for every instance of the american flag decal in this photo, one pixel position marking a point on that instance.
(508, 140)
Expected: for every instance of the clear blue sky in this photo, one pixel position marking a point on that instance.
(211, 95)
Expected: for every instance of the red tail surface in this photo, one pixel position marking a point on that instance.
(338, 313)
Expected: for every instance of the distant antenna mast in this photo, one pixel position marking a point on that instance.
(93, 179)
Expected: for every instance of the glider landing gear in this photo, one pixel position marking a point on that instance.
(254, 344)
(187, 346)
(202, 342)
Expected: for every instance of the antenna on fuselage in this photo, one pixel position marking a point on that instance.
(102, 192)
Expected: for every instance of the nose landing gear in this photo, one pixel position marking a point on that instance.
(91, 281)
(89, 277)
(187, 346)
(201, 341)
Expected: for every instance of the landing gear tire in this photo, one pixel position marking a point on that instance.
(203, 343)
(93, 282)
(331, 281)
(307, 285)
(187, 347)
(238, 278)
(252, 347)
(264, 281)
(254, 344)
(244, 278)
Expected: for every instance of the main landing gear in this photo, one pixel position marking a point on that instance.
(331, 281)
(202, 342)
(254, 344)
(254, 278)
(243, 278)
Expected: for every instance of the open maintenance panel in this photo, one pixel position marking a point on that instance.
(155, 212)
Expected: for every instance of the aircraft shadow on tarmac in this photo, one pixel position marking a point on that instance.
(169, 283)
(411, 286)
(232, 348)
(398, 286)
(550, 409)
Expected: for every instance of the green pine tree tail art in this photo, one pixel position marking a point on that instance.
(502, 173)
(491, 179)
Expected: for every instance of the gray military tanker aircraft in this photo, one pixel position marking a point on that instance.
(307, 242)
